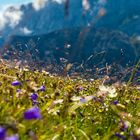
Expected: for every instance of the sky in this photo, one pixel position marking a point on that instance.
(11, 18)
(7, 2)
(14, 17)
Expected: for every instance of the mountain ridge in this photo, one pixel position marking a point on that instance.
(77, 45)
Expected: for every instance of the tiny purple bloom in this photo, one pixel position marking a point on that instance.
(34, 102)
(18, 90)
(83, 100)
(16, 83)
(32, 113)
(34, 96)
(120, 136)
(2, 133)
(80, 88)
(42, 88)
(115, 102)
(14, 137)
(124, 125)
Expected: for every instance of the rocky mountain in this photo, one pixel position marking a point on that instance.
(80, 45)
(106, 33)
(121, 14)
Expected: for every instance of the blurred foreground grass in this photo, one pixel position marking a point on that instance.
(69, 109)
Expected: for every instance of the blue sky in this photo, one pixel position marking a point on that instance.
(6, 2)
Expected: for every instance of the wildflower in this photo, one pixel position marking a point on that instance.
(124, 125)
(115, 102)
(4, 137)
(79, 88)
(82, 100)
(32, 113)
(16, 83)
(75, 98)
(120, 136)
(2, 133)
(34, 102)
(14, 137)
(42, 88)
(111, 91)
(34, 96)
(18, 90)
(89, 98)
(112, 94)
(127, 124)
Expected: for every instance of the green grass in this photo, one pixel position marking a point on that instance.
(64, 115)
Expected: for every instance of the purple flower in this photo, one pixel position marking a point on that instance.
(4, 137)
(115, 102)
(34, 102)
(42, 88)
(125, 125)
(80, 88)
(120, 136)
(14, 137)
(83, 100)
(2, 133)
(18, 90)
(32, 113)
(16, 83)
(34, 96)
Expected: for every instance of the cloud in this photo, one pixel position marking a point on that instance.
(11, 16)
(39, 4)
(25, 30)
(2, 21)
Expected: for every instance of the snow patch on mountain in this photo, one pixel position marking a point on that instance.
(25, 30)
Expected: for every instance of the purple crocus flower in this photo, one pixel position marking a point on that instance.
(42, 88)
(32, 113)
(16, 83)
(34, 96)
(2, 133)
(14, 137)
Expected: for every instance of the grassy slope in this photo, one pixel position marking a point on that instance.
(64, 115)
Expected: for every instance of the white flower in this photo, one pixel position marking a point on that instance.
(110, 90)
